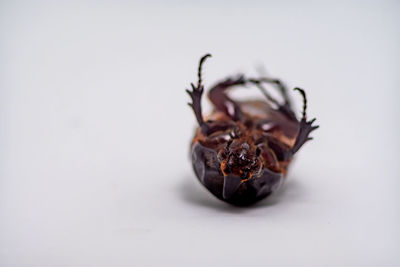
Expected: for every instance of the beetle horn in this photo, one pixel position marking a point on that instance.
(231, 184)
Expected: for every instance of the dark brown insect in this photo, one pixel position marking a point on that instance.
(242, 150)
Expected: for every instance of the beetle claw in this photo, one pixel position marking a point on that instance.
(314, 128)
(303, 136)
(196, 94)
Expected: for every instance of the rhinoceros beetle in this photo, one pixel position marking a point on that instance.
(242, 150)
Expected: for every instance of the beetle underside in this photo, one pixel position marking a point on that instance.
(242, 150)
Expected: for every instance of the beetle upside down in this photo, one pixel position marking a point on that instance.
(242, 150)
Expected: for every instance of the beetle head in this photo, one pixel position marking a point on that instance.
(239, 162)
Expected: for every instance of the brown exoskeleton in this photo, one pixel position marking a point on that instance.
(242, 150)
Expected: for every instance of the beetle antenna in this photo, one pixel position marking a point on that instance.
(303, 94)
(202, 60)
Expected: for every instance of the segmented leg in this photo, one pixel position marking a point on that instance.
(195, 94)
(258, 83)
(285, 108)
(282, 88)
(306, 127)
(221, 100)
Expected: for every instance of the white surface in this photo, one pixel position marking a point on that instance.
(95, 133)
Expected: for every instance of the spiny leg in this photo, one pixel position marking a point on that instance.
(282, 88)
(305, 126)
(195, 94)
(222, 101)
(263, 90)
(285, 108)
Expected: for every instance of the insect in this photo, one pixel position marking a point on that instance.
(242, 150)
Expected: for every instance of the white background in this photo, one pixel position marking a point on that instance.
(95, 131)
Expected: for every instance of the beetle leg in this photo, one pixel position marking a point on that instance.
(258, 83)
(282, 88)
(285, 108)
(281, 151)
(195, 94)
(305, 126)
(222, 102)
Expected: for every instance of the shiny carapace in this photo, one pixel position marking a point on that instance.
(242, 150)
